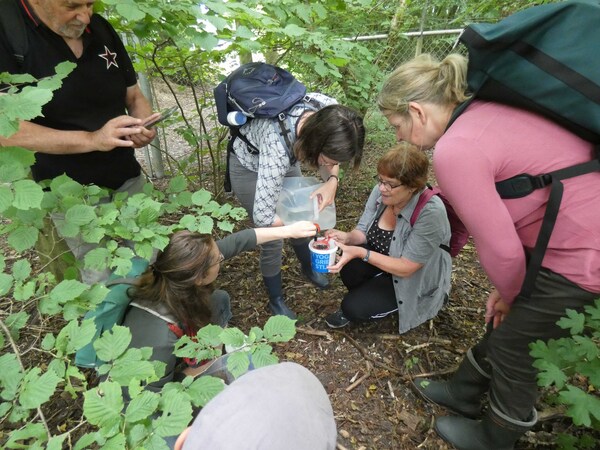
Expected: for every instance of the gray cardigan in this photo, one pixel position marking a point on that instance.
(420, 296)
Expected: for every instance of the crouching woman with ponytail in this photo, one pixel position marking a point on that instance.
(176, 295)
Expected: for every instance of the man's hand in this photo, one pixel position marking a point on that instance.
(122, 131)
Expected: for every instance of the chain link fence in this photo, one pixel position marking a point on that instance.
(395, 50)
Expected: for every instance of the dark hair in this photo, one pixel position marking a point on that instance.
(335, 131)
(407, 164)
(172, 280)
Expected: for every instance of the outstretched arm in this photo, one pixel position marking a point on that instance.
(295, 231)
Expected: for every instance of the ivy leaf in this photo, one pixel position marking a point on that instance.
(36, 390)
(176, 415)
(204, 389)
(205, 225)
(238, 363)
(582, 405)
(28, 194)
(102, 407)
(574, 321)
(112, 343)
(142, 406)
(225, 226)
(279, 329)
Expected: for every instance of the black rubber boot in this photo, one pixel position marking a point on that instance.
(276, 301)
(461, 394)
(302, 251)
(496, 431)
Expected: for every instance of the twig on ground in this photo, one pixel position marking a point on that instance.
(365, 355)
(313, 332)
(361, 379)
(432, 374)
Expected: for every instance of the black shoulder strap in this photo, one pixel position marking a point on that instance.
(13, 24)
(522, 185)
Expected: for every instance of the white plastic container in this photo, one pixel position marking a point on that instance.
(295, 203)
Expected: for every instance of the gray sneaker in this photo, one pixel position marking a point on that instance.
(336, 320)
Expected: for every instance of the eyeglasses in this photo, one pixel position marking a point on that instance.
(325, 163)
(220, 259)
(386, 184)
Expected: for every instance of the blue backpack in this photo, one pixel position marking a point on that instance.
(111, 311)
(260, 90)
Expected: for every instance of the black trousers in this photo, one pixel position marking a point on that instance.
(504, 352)
(370, 292)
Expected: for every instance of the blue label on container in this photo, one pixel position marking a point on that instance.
(320, 262)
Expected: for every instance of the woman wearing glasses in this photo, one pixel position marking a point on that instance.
(323, 138)
(176, 294)
(388, 265)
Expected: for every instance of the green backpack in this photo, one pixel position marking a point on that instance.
(111, 311)
(543, 59)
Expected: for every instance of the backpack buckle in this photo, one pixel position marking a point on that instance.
(522, 185)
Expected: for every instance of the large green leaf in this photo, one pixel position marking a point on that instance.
(10, 376)
(23, 238)
(6, 282)
(21, 270)
(35, 389)
(102, 406)
(142, 406)
(279, 329)
(29, 431)
(6, 196)
(113, 343)
(204, 389)
(238, 363)
(68, 290)
(176, 415)
(80, 215)
(583, 405)
(28, 194)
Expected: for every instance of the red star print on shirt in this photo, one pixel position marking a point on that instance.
(110, 57)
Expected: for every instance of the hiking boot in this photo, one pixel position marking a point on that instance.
(462, 393)
(336, 320)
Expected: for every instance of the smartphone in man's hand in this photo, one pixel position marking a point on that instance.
(163, 115)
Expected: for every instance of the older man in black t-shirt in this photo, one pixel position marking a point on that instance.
(93, 123)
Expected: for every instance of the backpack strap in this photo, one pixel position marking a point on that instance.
(423, 199)
(522, 185)
(14, 26)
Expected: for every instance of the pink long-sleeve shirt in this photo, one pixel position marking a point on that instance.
(490, 142)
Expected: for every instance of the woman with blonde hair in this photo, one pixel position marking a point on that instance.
(487, 143)
(387, 264)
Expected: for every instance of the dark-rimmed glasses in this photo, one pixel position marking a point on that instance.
(219, 260)
(386, 184)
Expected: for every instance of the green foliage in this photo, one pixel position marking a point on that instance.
(27, 388)
(570, 366)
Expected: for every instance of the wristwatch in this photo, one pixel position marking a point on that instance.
(366, 258)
